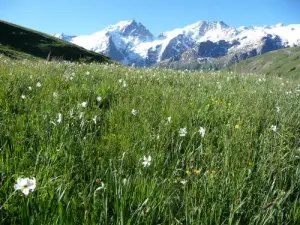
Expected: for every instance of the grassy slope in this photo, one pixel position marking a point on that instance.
(283, 62)
(20, 42)
(240, 172)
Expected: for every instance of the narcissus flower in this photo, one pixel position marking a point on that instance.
(59, 118)
(182, 132)
(25, 185)
(99, 99)
(95, 119)
(169, 119)
(274, 128)
(84, 104)
(133, 112)
(183, 182)
(147, 161)
(202, 131)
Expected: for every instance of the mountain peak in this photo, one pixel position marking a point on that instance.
(119, 26)
(64, 36)
(208, 25)
(279, 25)
(131, 28)
(200, 28)
(222, 24)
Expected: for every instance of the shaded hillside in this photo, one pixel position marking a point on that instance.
(283, 62)
(20, 42)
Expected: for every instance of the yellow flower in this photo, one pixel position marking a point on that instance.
(213, 172)
(237, 126)
(197, 172)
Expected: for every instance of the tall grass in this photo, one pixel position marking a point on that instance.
(89, 163)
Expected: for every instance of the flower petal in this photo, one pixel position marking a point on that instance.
(31, 183)
(25, 191)
(17, 187)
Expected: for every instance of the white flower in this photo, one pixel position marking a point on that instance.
(59, 118)
(25, 185)
(38, 84)
(71, 113)
(55, 95)
(183, 182)
(87, 73)
(81, 115)
(99, 99)
(23, 96)
(95, 119)
(123, 82)
(182, 132)
(133, 112)
(202, 131)
(277, 109)
(29, 88)
(84, 104)
(169, 119)
(147, 161)
(274, 128)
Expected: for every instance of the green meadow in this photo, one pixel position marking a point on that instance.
(108, 144)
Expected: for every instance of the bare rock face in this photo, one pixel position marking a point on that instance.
(177, 46)
(112, 51)
(214, 49)
(138, 30)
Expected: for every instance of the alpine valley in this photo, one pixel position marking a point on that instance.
(205, 45)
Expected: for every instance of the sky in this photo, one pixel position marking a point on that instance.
(79, 17)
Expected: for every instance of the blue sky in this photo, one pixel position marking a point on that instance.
(79, 17)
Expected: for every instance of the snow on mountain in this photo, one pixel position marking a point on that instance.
(289, 35)
(132, 43)
(64, 36)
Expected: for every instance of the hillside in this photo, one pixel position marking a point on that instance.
(20, 42)
(283, 62)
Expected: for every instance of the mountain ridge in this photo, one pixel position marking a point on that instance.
(131, 43)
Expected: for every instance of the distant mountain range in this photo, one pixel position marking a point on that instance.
(197, 45)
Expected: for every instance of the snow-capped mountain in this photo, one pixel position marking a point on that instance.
(64, 36)
(131, 42)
